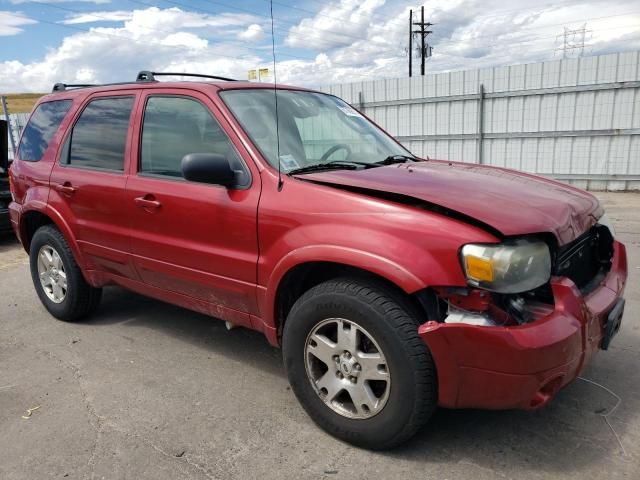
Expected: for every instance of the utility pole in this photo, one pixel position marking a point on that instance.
(410, 42)
(424, 48)
(422, 35)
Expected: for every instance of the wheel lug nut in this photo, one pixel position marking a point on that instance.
(353, 379)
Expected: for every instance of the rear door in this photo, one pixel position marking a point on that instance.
(194, 239)
(88, 181)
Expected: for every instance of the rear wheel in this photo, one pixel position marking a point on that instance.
(57, 277)
(357, 365)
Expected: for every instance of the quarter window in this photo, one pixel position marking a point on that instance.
(40, 129)
(176, 126)
(99, 136)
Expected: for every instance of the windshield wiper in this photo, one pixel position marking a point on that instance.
(333, 165)
(393, 159)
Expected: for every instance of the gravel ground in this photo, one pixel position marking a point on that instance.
(145, 390)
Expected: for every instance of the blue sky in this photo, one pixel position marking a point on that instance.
(317, 42)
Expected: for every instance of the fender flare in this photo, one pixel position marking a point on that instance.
(57, 219)
(381, 266)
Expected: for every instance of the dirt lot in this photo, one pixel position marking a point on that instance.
(149, 391)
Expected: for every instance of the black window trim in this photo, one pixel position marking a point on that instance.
(160, 176)
(69, 135)
(53, 100)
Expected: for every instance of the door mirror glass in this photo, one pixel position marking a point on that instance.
(208, 168)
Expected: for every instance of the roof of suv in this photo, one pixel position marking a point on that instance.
(197, 85)
(82, 92)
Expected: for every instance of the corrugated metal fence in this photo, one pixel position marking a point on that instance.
(17, 122)
(573, 119)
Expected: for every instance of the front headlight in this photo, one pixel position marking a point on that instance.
(514, 266)
(604, 220)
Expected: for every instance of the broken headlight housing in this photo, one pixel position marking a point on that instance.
(514, 266)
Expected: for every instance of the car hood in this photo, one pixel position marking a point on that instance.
(513, 203)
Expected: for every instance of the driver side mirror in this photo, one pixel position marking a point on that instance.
(210, 168)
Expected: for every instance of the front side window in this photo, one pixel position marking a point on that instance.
(40, 129)
(313, 128)
(177, 126)
(99, 137)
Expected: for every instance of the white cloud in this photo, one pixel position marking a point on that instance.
(345, 41)
(173, 19)
(113, 54)
(10, 23)
(253, 32)
(94, 17)
(336, 24)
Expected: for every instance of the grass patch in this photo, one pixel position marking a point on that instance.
(21, 102)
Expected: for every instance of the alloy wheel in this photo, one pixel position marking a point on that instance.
(347, 368)
(51, 273)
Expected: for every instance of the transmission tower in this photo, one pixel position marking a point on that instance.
(423, 48)
(573, 41)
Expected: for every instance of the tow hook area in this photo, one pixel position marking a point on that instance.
(546, 393)
(612, 326)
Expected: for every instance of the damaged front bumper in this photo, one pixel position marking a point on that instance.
(524, 366)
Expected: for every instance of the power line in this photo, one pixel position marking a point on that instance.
(245, 10)
(445, 42)
(128, 38)
(166, 32)
(452, 41)
(349, 66)
(441, 43)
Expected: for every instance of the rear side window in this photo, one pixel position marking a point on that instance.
(99, 136)
(40, 129)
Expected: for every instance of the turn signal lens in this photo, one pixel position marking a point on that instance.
(479, 269)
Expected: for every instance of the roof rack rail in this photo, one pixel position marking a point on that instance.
(61, 87)
(147, 76)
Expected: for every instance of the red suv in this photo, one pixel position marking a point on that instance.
(392, 283)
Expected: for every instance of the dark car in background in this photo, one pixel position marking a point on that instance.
(5, 195)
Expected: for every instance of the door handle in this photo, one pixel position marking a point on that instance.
(66, 188)
(146, 202)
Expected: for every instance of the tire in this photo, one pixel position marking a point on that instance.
(78, 299)
(403, 401)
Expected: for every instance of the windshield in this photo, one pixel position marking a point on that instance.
(313, 128)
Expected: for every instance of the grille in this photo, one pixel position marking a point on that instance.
(587, 259)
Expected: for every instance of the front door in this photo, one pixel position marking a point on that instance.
(193, 239)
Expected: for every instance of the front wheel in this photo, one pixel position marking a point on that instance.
(357, 365)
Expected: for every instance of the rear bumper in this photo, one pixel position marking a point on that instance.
(524, 366)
